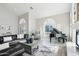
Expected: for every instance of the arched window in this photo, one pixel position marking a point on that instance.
(48, 28)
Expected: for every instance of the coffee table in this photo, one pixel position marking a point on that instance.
(30, 47)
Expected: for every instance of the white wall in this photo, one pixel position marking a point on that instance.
(75, 24)
(74, 27)
(8, 19)
(45, 10)
(32, 23)
(62, 19)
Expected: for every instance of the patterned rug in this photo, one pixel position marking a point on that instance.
(49, 49)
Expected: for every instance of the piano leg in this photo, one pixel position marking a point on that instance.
(50, 39)
(63, 40)
(59, 39)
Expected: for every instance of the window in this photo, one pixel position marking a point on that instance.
(48, 28)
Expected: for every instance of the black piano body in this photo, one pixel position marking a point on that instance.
(55, 32)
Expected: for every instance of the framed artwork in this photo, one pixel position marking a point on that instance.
(1, 27)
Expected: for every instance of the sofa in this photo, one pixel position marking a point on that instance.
(14, 48)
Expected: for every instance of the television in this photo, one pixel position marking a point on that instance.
(77, 38)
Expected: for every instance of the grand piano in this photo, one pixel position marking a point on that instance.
(57, 35)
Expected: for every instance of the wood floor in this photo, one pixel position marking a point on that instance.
(62, 51)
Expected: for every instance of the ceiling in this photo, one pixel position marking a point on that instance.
(38, 10)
